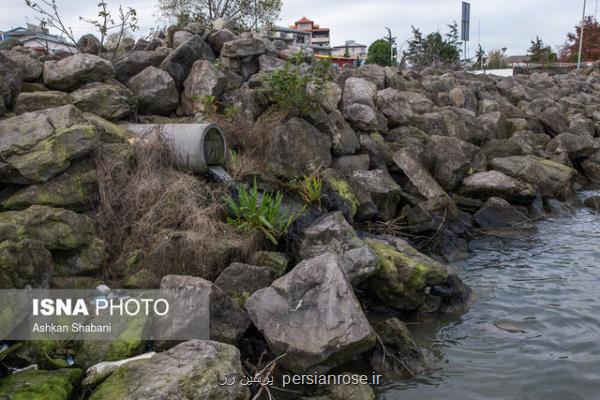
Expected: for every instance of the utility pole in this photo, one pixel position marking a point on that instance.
(581, 37)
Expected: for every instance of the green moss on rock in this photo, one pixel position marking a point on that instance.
(59, 384)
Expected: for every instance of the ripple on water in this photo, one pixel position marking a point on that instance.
(533, 331)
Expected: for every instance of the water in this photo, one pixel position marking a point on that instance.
(533, 330)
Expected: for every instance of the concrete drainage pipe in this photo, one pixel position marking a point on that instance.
(196, 146)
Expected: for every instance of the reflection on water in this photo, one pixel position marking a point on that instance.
(533, 331)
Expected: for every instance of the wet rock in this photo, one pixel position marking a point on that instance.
(75, 189)
(194, 369)
(204, 81)
(10, 84)
(155, 90)
(553, 179)
(40, 145)
(497, 213)
(453, 293)
(487, 184)
(453, 160)
(134, 62)
(377, 191)
(403, 274)
(110, 101)
(239, 280)
(34, 101)
(391, 103)
(333, 234)
(243, 48)
(228, 321)
(592, 202)
(575, 146)
(60, 384)
(299, 149)
(75, 71)
(290, 315)
(89, 44)
(402, 357)
(180, 61)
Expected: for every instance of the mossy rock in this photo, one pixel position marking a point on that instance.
(403, 274)
(59, 384)
(277, 261)
(344, 194)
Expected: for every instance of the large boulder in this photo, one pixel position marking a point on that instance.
(89, 44)
(362, 117)
(75, 71)
(299, 149)
(34, 101)
(240, 48)
(219, 37)
(70, 237)
(312, 315)
(37, 146)
(180, 61)
(155, 90)
(11, 79)
(453, 160)
(575, 146)
(493, 125)
(333, 234)
(379, 195)
(358, 90)
(109, 101)
(553, 121)
(403, 274)
(30, 67)
(497, 213)
(425, 184)
(553, 179)
(24, 262)
(204, 81)
(192, 370)
(344, 139)
(134, 62)
(60, 384)
(239, 280)
(391, 103)
(483, 185)
(227, 320)
(461, 123)
(591, 167)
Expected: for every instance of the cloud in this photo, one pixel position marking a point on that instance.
(504, 23)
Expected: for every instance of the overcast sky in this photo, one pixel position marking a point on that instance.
(504, 23)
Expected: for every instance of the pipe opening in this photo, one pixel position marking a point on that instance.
(214, 147)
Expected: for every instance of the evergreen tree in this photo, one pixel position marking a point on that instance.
(540, 53)
(379, 53)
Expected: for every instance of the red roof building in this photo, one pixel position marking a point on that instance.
(319, 37)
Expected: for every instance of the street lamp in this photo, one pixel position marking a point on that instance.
(581, 37)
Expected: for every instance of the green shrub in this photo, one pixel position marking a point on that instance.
(293, 90)
(254, 211)
(310, 189)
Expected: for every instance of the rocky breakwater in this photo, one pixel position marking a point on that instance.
(407, 162)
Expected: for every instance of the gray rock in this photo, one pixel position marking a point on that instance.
(204, 80)
(243, 48)
(239, 280)
(575, 146)
(180, 61)
(291, 315)
(553, 179)
(454, 160)
(487, 184)
(110, 101)
(377, 188)
(193, 369)
(37, 146)
(391, 103)
(345, 165)
(269, 63)
(463, 97)
(361, 117)
(418, 175)
(333, 234)
(181, 36)
(493, 125)
(299, 149)
(359, 91)
(75, 71)
(24, 262)
(591, 168)
(89, 44)
(30, 67)
(219, 37)
(344, 140)
(155, 90)
(134, 62)
(10, 83)
(34, 101)
(592, 202)
(329, 96)
(418, 102)
(497, 213)
(228, 321)
(553, 121)
(461, 123)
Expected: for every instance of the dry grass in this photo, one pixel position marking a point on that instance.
(174, 220)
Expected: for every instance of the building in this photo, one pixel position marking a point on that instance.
(39, 39)
(351, 49)
(511, 61)
(319, 37)
(292, 37)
